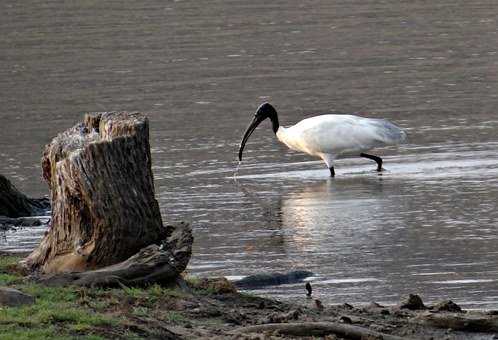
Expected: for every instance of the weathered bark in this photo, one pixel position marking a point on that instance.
(317, 329)
(102, 192)
(472, 322)
(13, 203)
(152, 264)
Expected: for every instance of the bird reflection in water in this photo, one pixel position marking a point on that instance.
(321, 219)
(328, 212)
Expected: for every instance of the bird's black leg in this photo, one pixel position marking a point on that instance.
(309, 289)
(332, 172)
(374, 158)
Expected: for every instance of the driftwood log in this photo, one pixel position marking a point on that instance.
(471, 322)
(14, 203)
(152, 264)
(102, 192)
(317, 329)
(272, 279)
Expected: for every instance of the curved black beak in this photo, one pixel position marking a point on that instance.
(254, 124)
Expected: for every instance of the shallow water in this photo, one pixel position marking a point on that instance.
(428, 224)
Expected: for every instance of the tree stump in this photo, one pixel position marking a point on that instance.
(14, 203)
(102, 192)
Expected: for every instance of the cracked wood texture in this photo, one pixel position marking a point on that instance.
(102, 192)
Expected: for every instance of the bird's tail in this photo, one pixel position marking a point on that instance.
(389, 133)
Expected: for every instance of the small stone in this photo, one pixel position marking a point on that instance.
(36, 223)
(235, 317)
(12, 297)
(319, 305)
(345, 319)
(284, 317)
(185, 305)
(400, 314)
(372, 337)
(374, 305)
(219, 285)
(447, 306)
(413, 302)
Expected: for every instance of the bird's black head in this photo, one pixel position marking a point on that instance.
(264, 111)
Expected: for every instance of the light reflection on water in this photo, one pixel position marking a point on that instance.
(374, 237)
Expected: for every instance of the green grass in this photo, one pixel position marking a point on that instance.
(7, 261)
(158, 291)
(48, 311)
(175, 317)
(8, 279)
(83, 313)
(150, 295)
(133, 292)
(52, 294)
(10, 332)
(58, 312)
(55, 315)
(7, 275)
(192, 280)
(141, 311)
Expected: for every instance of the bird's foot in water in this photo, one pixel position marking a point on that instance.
(332, 172)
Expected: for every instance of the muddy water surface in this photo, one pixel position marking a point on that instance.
(428, 224)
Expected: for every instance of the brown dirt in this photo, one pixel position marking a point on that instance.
(212, 308)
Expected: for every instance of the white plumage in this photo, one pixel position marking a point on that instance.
(330, 136)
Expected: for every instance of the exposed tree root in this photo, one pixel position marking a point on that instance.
(460, 322)
(152, 264)
(317, 329)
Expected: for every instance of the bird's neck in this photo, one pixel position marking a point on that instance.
(274, 123)
(282, 134)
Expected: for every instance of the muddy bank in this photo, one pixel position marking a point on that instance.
(213, 308)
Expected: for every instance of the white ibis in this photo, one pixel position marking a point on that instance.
(330, 136)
